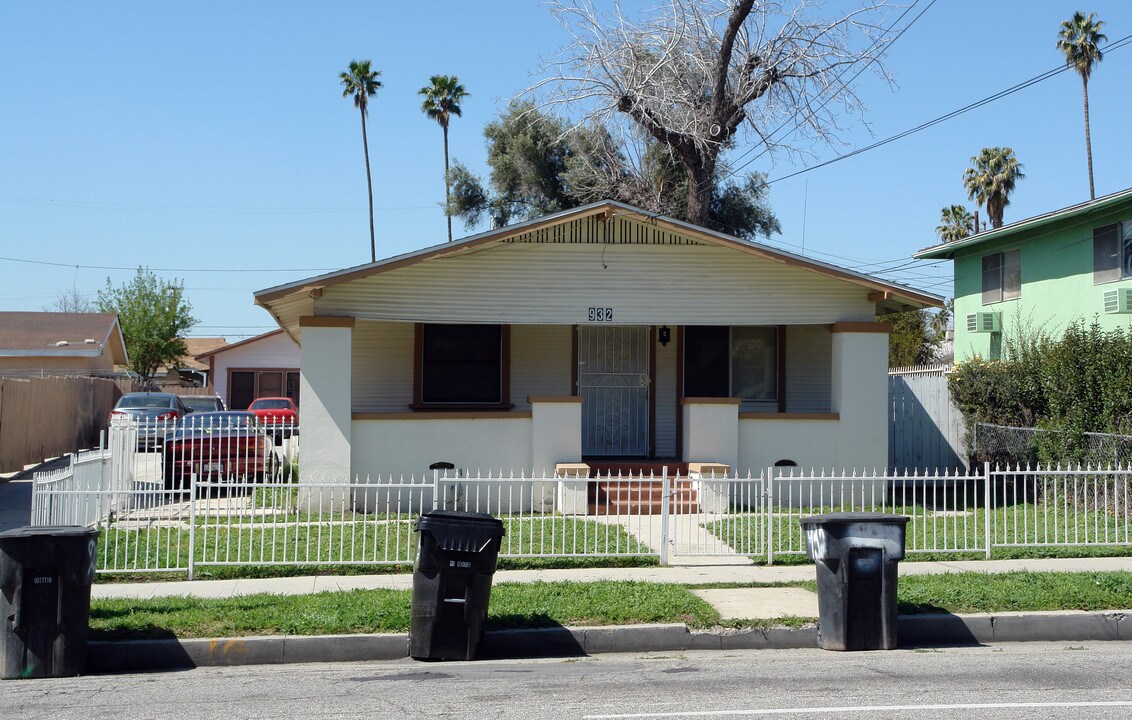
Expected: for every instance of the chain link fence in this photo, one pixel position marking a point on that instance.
(1005, 446)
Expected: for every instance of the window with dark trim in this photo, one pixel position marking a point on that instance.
(462, 366)
(1112, 252)
(740, 362)
(1002, 276)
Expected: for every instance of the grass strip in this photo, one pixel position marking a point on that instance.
(512, 605)
(548, 604)
(974, 592)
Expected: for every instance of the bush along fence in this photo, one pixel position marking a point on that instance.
(158, 516)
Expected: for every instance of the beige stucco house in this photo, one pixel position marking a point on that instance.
(602, 332)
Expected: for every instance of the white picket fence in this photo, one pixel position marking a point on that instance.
(281, 519)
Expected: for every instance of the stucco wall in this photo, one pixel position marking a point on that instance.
(810, 443)
(406, 447)
(101, 362)
(1057, 285)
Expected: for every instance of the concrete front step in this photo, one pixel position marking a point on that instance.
(642, 497)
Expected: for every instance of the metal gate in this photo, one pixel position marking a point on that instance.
(613, 380)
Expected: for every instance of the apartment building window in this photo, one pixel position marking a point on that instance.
(1002, 276)
(1112, 252)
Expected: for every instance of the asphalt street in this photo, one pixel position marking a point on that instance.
(1008, 681)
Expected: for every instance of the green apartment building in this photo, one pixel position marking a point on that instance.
(1043, 273)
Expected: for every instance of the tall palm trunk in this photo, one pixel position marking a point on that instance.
(1088, 140)
(447, 191)
(369, 187)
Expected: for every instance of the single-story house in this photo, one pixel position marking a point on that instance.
(602, 332)
(266, 365)
(1045, 272)
(56, 343)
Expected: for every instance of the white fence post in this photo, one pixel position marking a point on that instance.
(665, 507)
(768, 505)
(192, 523)
(988, 506)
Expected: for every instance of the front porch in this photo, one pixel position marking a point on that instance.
(826, 406)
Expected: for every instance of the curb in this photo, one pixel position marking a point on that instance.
(913, 631)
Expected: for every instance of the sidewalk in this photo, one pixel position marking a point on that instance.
(741, 603)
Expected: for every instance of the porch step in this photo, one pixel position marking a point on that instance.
(641, 497)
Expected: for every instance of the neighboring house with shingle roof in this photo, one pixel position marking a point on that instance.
(266, 365)
(54, 343)
(187, 371)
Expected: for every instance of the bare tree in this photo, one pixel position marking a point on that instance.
(70, 301)
(697, 72)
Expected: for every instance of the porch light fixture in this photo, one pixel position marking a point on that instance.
(664, 335)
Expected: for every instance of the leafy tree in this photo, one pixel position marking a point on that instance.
(154, 315)
(912, 341)
(956, 223)
(70, 301)
(361, 83)
(540, 165)
(691, 74)
(991, 179)
(1078, 40)
(441, 101)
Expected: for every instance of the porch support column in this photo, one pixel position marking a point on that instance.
(325, 385)
(860, 393)
(711, 430)
(556, 437)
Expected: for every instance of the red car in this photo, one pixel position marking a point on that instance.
(278, 414)
(217, 447)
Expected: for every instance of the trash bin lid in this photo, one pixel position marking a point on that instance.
(461, 531)
(31, 531)
(848, 518)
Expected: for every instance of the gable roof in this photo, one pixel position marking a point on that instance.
(52, 334)
(232, 346)
(949, 250)
(286, 302)
(196, 347)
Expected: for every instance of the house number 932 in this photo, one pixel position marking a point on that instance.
(601, 314)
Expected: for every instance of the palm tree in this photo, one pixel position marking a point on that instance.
(442, 100)
(955, 223)
(991, 179)
(1079, 38)
(361, 82)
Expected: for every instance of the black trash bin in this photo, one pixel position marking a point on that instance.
(856, 556)
(456, 558)
(45, 578)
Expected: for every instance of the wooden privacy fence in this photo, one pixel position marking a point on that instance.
(52, 416)
(925, 429)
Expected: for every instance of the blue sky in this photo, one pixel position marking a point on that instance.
(210, 141)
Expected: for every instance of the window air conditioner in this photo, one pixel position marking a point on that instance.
(1118, 301)
(983, 322)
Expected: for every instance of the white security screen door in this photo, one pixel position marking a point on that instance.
(613, 380)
